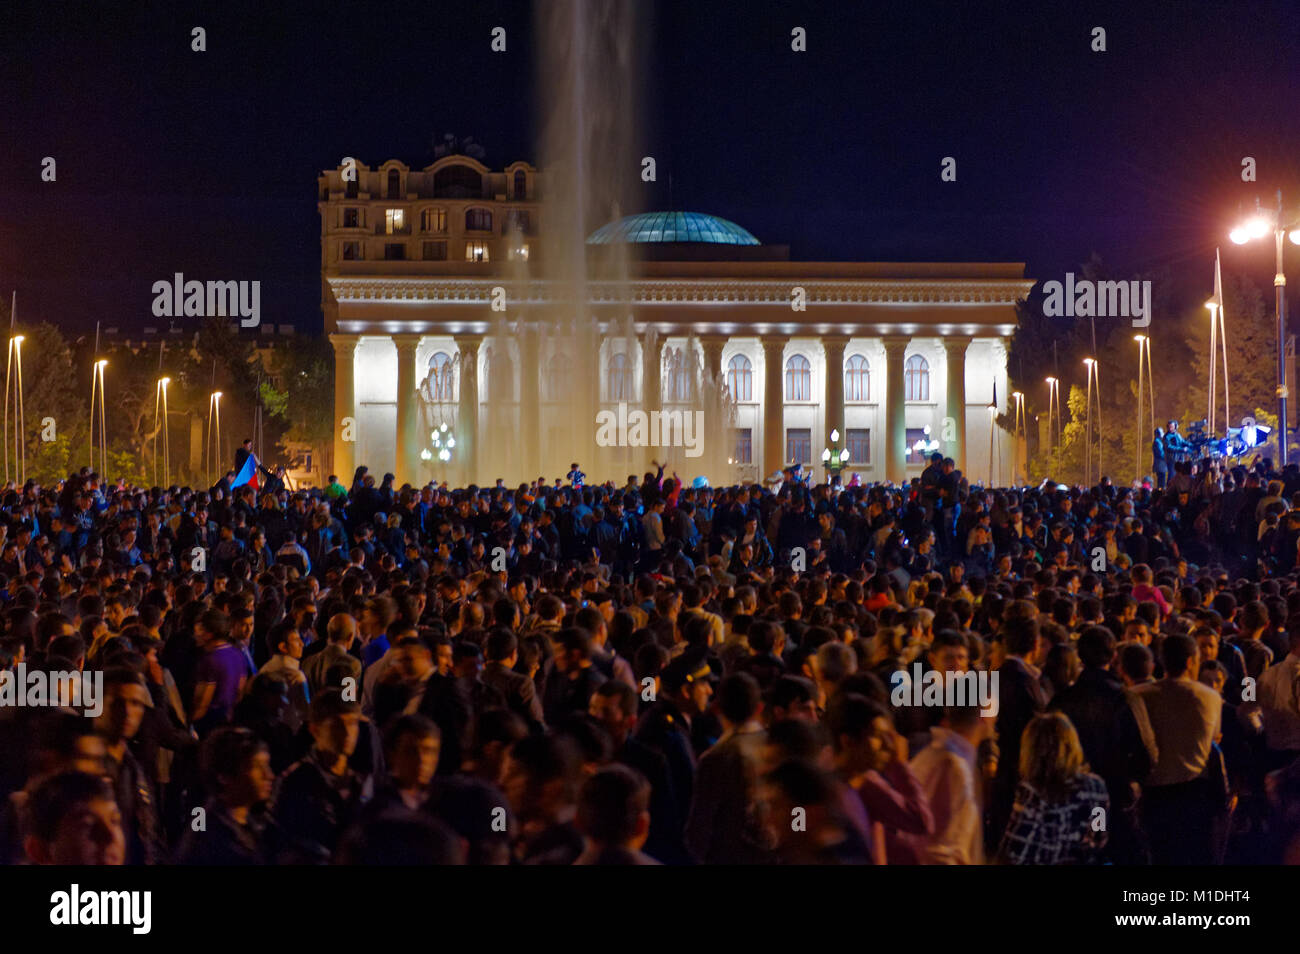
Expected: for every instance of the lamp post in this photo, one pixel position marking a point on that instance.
(14, 371)
(1257, 227)
(160, 423)
(993, 420)
(1054, 418)
(214, 433)
(1087, 455)
(834, 459)
(1022, 433)
(1144, 344)
(97, 394)
(444, 442)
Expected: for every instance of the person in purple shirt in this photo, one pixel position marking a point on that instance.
(220, 675)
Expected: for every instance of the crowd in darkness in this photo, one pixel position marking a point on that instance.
(655, 673)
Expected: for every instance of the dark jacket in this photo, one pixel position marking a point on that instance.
(519, 692)
(1108, 731)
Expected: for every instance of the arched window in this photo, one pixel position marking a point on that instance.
(457, 182)
(441, 382)
(394, 184)
(679, 375)
(798, 379)
(740, 378)
(916, 376)
(559, 372)
(521, 184)
(857, 379)
(618, 378)
(478, 220)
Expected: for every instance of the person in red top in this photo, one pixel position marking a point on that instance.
(1143, 591)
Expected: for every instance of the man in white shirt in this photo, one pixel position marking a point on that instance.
(1279, 700)
(948, 772)
(1180, 801)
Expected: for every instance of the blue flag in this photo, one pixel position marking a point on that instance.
(247, 474)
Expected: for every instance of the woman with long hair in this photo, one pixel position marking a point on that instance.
(1059, 817)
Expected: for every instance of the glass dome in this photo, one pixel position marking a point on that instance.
(672, 227)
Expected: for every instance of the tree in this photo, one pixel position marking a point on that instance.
(55, 405)
(1252, 356)
(300, 393)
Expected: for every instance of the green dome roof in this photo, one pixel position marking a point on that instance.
(672, 227)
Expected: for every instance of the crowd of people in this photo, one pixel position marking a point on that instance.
(654, 673)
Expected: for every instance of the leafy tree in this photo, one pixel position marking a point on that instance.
(301, 393)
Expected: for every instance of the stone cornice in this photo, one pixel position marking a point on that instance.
(687, 291)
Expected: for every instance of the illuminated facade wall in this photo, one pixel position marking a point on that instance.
(881, 352)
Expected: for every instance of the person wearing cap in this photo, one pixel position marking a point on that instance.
(125, 700)
(687, 684)
(317, 796)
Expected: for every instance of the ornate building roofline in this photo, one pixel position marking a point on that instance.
(687, 291)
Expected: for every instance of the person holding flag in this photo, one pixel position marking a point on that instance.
(247, 466)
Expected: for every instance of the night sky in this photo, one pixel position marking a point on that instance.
(206, 163)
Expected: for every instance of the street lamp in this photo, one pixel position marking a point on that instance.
(214, 432)
(1054, 417)
(14, 371)
(1094, 386)
(834, 459)
(160, 424)
(1144, 349)
(1257, 227)
(1021, 432)
(1218, 342)
(443, 442)
(97, 394)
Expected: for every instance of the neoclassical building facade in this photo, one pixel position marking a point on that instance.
(448, 366)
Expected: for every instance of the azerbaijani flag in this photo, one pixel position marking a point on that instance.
(247, 474)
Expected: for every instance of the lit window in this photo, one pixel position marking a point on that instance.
(798, 379)
(433, 220)
(917, 378)
(679, 375)
(394, 220)
(798, 445)
(619, 378)
(519, 253)
(744, 446)
(740, 378)
(857, 379)
(476, 251)
(440, 384)
(857, 441)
